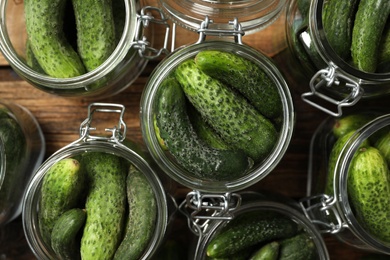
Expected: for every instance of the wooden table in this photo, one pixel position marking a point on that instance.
(60, 118)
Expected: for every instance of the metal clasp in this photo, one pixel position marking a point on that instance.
(329, 77)
(321, 210)
(236, 30)
(200, 209)
(118, 132)
(141, 43)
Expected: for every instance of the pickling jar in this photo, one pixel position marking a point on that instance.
(328, 204)
(22, 147)
(129, 58)
(245, 202)
(99, 137)
(323, 79)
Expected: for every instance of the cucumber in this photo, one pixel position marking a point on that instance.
(384, 46)
(238, 123)
(245, 76)
(298, 247)
(370, 21)
(368, 190)
(338, 20)
(142, 216)
(95, 31)
(351, 122)
(64, 236)
(383, 145)
(182, 142)
(61, 190)
(249, 229)
(269, 251)
(44, 23)
(31, 60)
(333, 157)
(105, 205)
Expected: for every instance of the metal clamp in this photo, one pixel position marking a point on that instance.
(200, 209)
(322, 212)
(329, 77)
(118, 132)
(236, 31)
(140, 42)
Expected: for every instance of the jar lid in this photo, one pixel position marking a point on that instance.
(253, 15)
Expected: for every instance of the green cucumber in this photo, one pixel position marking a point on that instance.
(335, 152)
(105, 205)
(238, 123)
(95, 31)
(351, 122)
(370, 21)
(368, 190)
(190, 151)
(245, 76)
(142, 216)
(31, 60)
(298, 247)
(384, 46)
(249, 229)
(338, 20)
(64, 236)
(61, 190)
(269, 251)
(44, 23)
(383, 145)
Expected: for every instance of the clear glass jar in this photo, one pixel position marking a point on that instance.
(263, 202)
(108, 140)
(166, 161)
(331, 209)
(22, 147)
(115, 74)
(333, 82)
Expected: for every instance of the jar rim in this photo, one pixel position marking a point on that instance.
(125, 43)
(326, 51)
(253, 15)
(32, 191)
(178, 173)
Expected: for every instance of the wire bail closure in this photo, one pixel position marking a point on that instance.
(236, 31)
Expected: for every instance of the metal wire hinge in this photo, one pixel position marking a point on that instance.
(330, 77)
(200, 209)
(141, 43)
(118, 132)
(236, 30)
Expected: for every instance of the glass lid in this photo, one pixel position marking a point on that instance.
(253, 15)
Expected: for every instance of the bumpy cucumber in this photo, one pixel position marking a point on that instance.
(298, 247)
(31, 60)
(351, 122)
(338, 19)
(250, 229)
(383, 145)
(369, 189)
(370, 21)
(105, 205)
(182, 142)
(61, 190)
(64, 237)
(142, 216)
(44, 23)
(384, 46)
(269, 251)
(333, 157)
(245, 76)
(95, 31)
(233, 118)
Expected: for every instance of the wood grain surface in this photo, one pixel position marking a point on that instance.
(60, 118)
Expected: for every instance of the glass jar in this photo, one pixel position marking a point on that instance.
(149, 110)
(116, 73)
(94, 139)
(333, 81)
(264, 203)
(329, 204)
(22, 147)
